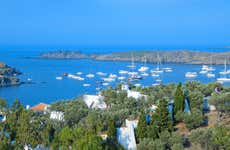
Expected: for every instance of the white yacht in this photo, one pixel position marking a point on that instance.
(211, 75)
(155, 75)
(123, 72)
(79, 73)
(90, 75)
(224, 79)
(143, 68)
(86, 84)
(101, 73)
(132, 63)
(190, 74)
(121, 78)
(158, 69)
(225, 72)
(105, 84)
(58, 78)
(109, 79)
(145, 74)
(112, 76)
(168, 69)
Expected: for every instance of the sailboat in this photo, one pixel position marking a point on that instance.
(158, 69)
(210, 73)
(132, 62)
(225, 72)
(143, 68)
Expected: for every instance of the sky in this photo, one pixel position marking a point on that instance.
(95, 23)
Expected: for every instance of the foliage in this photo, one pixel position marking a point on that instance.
(179, 99)
(193, 120)
(142, 126)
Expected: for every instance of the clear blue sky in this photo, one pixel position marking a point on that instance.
(114, 22)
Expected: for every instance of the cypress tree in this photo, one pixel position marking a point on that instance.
(142, 126)
(178, 99)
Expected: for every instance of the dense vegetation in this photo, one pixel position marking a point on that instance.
(82, 127)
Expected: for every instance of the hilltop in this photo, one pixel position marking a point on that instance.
(177, 56)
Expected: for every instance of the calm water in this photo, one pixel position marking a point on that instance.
(48, 89)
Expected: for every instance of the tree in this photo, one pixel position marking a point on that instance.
(161, 119)
(66, 138)
(178, 99)
(111, 129)
(202, 137)
(193, 120)
(142, 126)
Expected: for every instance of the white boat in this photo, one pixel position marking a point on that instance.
(158, 69)
(90, 75)
(145, 74)
(121, 78)
(155, 84)
(137, 85)
(133, 73)
(79, 73)
(29, 79)
(158, 81)
(224, 79)
(123, 72)
(132, 63)
(225, 72)
(101, 73)
(211, 75)
(86, 85)
(109, 79)
(58, 78)
(143, 69)
(168, 69)
(191, 75)
(78, 78)
(112, 76)
(105, 84)
(203, 72)
(155, 75)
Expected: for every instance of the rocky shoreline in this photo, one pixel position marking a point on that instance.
(177, 56)
(8, 76)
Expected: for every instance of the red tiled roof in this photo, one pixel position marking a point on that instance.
(40, 107)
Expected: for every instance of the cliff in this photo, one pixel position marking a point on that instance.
(8, 75)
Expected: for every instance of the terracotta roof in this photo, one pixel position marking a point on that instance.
(40, 107)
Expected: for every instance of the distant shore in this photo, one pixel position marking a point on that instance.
(177, 56)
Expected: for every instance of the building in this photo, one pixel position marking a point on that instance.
(126, 135)
(40, 108)
(57, 115)
(135, 95)
(94, 101)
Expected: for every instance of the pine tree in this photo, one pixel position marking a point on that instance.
(142, 126)
(178, 99)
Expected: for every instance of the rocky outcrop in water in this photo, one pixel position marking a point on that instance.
(8, 76)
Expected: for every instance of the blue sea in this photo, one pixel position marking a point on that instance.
(44, 72)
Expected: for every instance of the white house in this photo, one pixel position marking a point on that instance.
(57, 115)
(135, 94)
(94, 101)
(126, 135)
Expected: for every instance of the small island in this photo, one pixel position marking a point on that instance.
(8, 76)
(174, 56)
